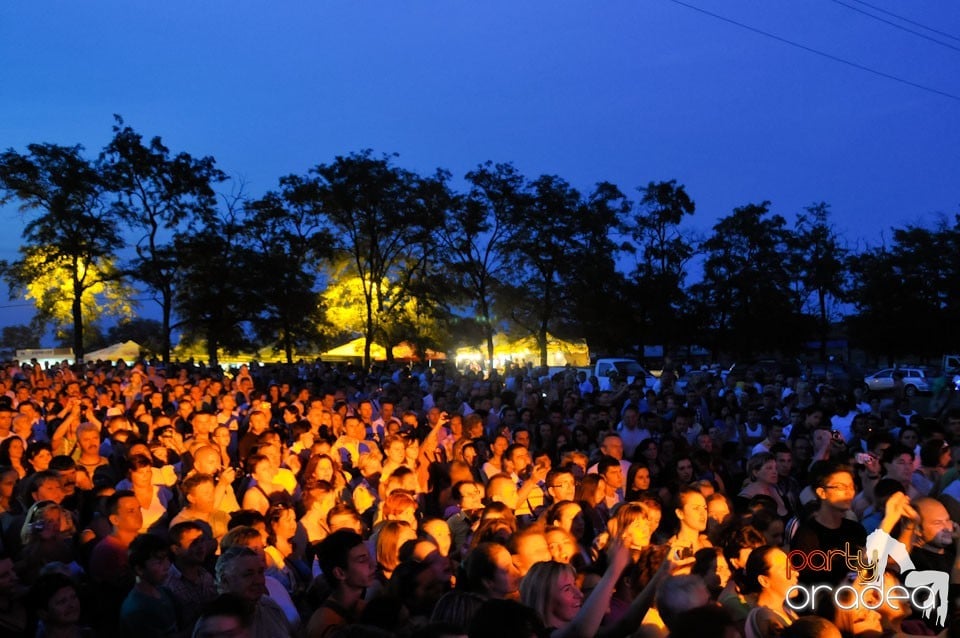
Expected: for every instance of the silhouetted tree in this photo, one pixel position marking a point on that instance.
(906, 294)
(290, 247)
(745, 291)
(662, 250)
(818, 260)
(22, 336)
(473, 237)
(71, 228)
(145, 332)
(159, 194)
(212, 295)
(379, 215)
(557, 239)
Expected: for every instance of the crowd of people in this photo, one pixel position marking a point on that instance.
(326, 500)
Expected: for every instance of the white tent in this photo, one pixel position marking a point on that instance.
(129, 351)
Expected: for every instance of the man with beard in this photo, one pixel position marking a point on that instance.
(934, 537)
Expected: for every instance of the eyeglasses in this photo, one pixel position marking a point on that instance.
(840, 488)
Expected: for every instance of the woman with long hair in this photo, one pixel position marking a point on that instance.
(711, 565)
(8, 485)
(590, 493)
(281, 523)
(323, 467)
(12, 455)
(495, 464)
(638, 480)
(390, 537)
(318, 500)
(550, 588)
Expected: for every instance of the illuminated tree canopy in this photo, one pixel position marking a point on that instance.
(69, 226)
(49, 284)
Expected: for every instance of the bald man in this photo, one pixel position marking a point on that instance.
(935, 536)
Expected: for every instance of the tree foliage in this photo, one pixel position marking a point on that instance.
(662, 250)
(818, 259)
(899, 320)
(212, 296)
(21, 336)
(473, 239)
(557, 240)
(290, 245)
(70, 233)
(746, 289)
(158, 194)
(381, 218)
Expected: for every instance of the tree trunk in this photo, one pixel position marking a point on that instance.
(212, 347)
(368, 337)
(824, 326)
(542, 343)
(489, 352)
(167, 309)
(77, 322)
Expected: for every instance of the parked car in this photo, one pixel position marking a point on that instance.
(607, 370)
(842, 376)
(915, 380)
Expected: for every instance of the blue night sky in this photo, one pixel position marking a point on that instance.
(625, 91)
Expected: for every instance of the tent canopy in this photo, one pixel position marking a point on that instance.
(129, 351)
(559, 351)
(403, 351)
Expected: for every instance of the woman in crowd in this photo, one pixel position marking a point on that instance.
(489, 571)
(8, 485)
(590, 494)
(155, 500)
(282, 563)
(318, 500)
(768, 575)
(762, 470)
(12, 452)
(495, 464)
(390, 537)
(692, 515)
(711, 565)
(262, 472)
(638, 480)
(37, 457)
(55, 601)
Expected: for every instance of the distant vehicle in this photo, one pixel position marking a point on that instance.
(951, 362)
(841, 376)
(915, 380)
(765, 370)
(609, 370)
